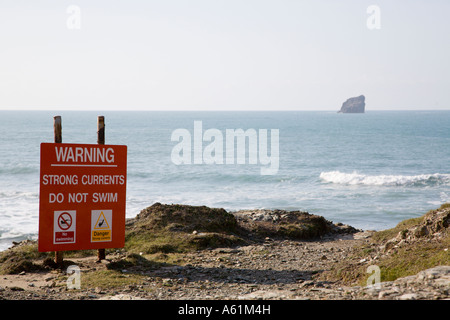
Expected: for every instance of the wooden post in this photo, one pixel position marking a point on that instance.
(57, 128)
(101, 130)
(101, 254)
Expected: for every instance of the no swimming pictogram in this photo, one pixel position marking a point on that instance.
(64, 221)
(64, 226)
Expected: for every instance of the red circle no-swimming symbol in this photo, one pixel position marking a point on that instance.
(65, 221)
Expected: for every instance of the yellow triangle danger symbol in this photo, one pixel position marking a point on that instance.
(101, 223)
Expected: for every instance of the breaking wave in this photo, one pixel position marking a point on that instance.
(355, 178)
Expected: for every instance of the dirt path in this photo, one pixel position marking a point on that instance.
(270, 270)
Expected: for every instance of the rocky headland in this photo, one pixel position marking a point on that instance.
(196, 252)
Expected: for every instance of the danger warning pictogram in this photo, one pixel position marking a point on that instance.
(101, 225)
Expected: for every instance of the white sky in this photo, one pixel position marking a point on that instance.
(224, 55)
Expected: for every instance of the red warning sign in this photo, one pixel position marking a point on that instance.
(82, 196)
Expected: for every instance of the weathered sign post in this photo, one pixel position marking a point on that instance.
(82, 197)
(57, 128)
(101, 253)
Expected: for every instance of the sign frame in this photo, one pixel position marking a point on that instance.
(79, 179)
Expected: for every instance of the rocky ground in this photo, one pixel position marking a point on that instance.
(269, 269)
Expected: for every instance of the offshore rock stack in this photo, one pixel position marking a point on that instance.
(354, 105)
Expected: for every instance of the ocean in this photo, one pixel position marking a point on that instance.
(368, 170)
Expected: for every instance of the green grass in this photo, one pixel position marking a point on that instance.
(421, 255)
(165, 241)
(153, 242)
(411, 260)
(170, 229)
(385, 235)
(20, 258)
(109, 279)
(404, 261)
